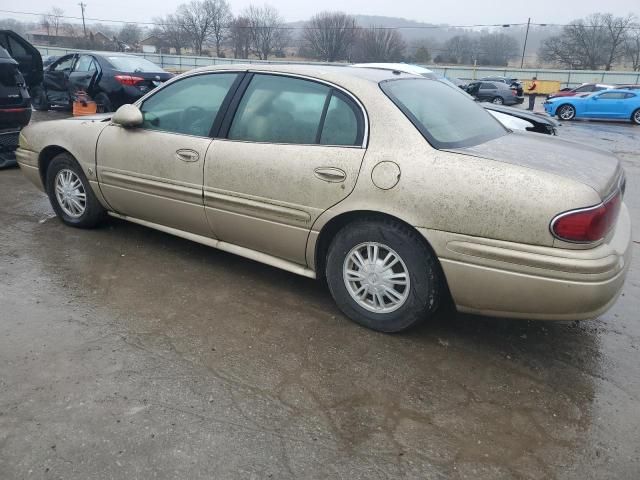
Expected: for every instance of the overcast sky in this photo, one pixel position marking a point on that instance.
(456, 12)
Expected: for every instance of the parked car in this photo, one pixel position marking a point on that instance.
(494, 92)
(582, 90)
(28, 57)
(111, 79)
(532, 122)
(363, 177)
(610, 104)
(513, 83)
(625, 86)
(510, 118)
(15, 108)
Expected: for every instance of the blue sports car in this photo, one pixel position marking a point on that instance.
(609, 104)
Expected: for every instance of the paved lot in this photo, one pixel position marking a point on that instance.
(127, 353)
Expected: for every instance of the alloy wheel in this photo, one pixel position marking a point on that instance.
(566, 112)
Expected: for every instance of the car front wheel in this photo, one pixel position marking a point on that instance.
(566, 112)
(71, 195)
(383, 276)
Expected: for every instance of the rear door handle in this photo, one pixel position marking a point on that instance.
(330, 174)
(187, 155)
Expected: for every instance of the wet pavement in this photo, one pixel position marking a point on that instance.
(127, 353)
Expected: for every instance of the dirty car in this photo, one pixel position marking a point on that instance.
(365, 178)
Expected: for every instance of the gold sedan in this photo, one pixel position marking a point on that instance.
(397, 189)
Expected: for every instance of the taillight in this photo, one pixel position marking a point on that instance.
(587, 224)
(128, 80)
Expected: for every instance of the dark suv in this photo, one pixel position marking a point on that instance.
(20, 71)
(15, 107)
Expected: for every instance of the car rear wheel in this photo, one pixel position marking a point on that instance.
(635, 117)
(71, 195)
(103, 102)
(39, 99)
(566, 112)
(498, 100)
(383, 276)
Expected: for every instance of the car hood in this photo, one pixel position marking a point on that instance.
(96, 117)
(596, 168)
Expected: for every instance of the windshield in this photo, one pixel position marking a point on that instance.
(133, 64)
(445, 116)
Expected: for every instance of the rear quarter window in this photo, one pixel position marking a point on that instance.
(445, 116)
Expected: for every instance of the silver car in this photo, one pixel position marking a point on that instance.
(367, 178)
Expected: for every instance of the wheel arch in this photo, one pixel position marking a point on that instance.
(44, 160)
(335, 224)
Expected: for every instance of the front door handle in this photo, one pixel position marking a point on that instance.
(187, 155)
(330, 174)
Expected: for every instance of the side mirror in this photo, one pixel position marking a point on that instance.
(128, 116)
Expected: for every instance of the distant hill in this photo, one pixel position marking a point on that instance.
(414, 31)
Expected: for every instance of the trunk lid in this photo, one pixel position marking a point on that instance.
(596, 168)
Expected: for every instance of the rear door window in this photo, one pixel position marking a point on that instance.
(281, 109)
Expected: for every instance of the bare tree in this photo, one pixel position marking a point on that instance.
(267, 32)
(129, 34)
(195, 19)
(632, 48)
(240, 37)
(172, 33)
(616, 28)
(330, 35)
(380, 45)
(497, 49)
(220, 14)
(590, 43)
(460, 49)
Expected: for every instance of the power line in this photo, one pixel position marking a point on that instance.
(399, 27)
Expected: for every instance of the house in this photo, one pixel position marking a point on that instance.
(151, 44)
(69, 36)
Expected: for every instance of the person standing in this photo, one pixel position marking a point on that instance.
(533, 93)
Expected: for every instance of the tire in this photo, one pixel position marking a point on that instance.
(420, 296)
(64, 173)
(566, 112)
(498, 100)
(104, 103)
(635, 117)
(39, 99)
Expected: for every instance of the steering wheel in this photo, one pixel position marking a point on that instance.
(196, 120)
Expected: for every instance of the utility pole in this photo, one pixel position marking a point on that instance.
(84, 26)
(524, 48)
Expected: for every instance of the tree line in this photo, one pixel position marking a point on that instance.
(598, 41)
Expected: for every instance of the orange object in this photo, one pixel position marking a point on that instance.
(84, 107)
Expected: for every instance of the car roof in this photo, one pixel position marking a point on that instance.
(400, 67)
(331, 73)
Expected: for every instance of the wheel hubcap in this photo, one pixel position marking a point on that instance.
(376, 277)
(566, 113)
(70, 193)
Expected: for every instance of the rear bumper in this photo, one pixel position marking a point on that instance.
(505, 279)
